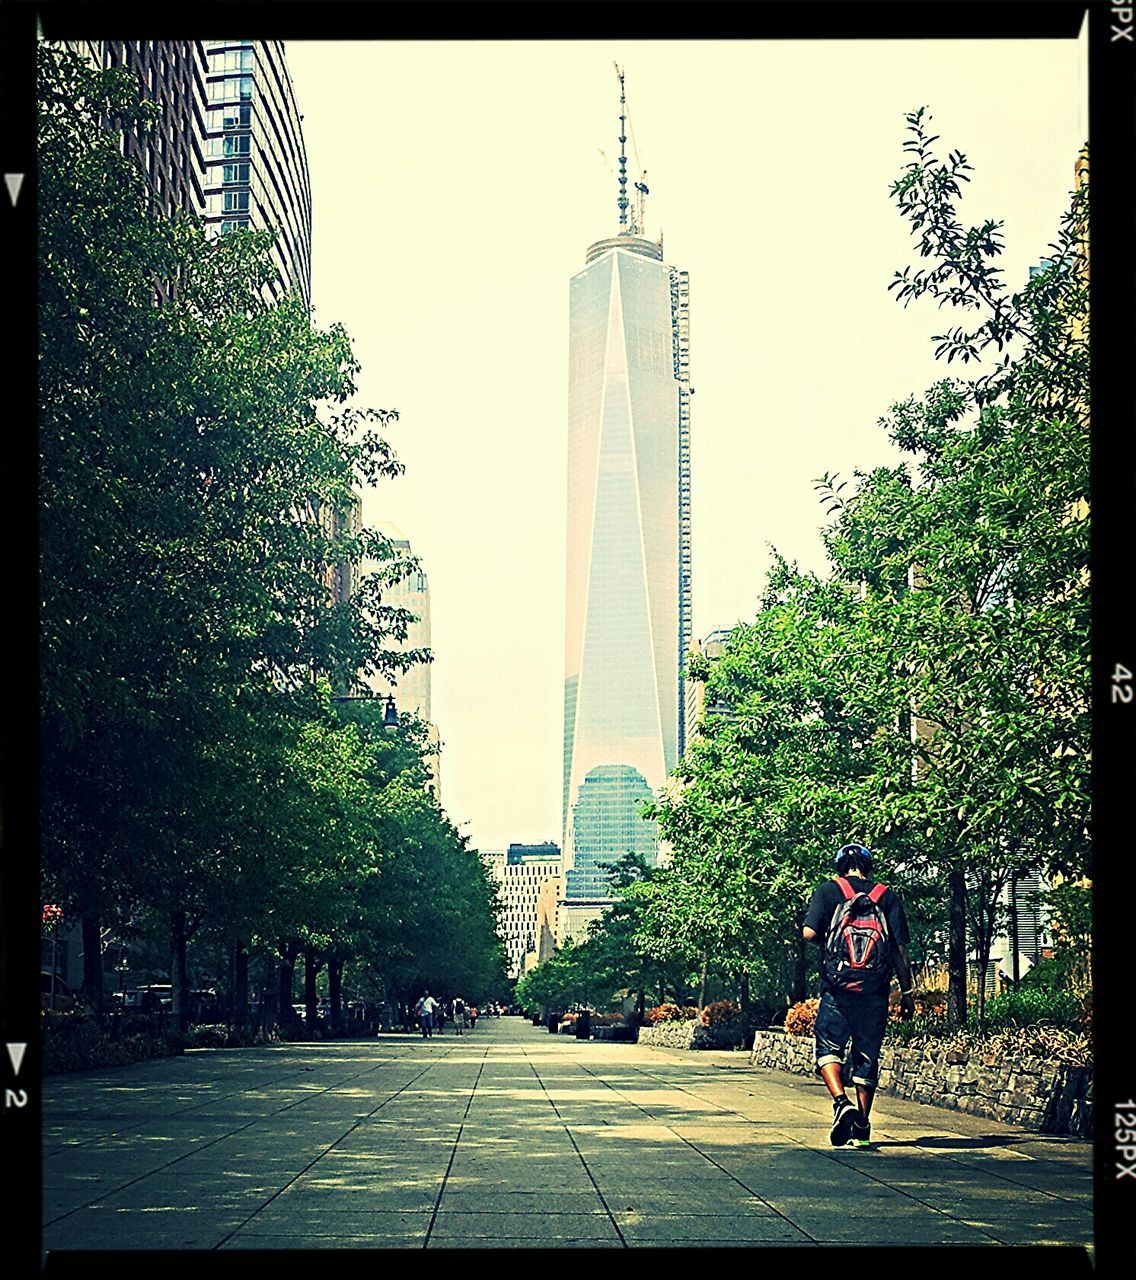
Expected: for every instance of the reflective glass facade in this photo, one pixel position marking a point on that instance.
(256, 165)
(627, 582)
(605, 826)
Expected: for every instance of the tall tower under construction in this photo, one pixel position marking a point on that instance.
(628, 546)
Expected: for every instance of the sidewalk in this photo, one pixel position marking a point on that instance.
(509, 1137)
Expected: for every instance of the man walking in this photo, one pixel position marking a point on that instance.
(424, 1010)
(862, 928)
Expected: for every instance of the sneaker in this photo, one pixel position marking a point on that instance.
(844, 1116)
(861, 1133)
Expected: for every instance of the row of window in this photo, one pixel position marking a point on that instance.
(233, 87)
(228, 202)
(232, 145)
(231, 60)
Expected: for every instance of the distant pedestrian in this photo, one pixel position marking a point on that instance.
(461, 1015)
(472, 1016)
(424, 1011)
(862, 929)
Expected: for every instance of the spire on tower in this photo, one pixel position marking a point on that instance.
(622, 202)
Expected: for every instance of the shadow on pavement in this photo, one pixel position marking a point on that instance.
(962, 1144)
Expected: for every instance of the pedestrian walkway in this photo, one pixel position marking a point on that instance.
(510, 1137)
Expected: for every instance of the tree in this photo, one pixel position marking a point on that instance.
(929, 697)
(189, 445)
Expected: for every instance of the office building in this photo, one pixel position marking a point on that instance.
(521, 874)
(256, 164)
(410, 688)
(229, 145)
(628, 543)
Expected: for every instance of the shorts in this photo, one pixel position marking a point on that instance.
(857, 1019)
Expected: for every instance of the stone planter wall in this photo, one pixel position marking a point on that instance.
(690, 1035)
(1034, 1093)
(669, 1035)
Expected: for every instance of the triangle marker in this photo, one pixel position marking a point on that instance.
(14, 182)
(16, 1053)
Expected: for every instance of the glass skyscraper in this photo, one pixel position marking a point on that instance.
(256, 165)
(628, 571)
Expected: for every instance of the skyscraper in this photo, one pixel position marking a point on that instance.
(628, 571)
(256, 164)
(229, 145)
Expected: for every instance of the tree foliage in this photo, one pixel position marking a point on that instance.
(928, 695)
(199, 461)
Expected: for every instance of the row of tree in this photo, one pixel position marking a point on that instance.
(197, 452)
(929, 694)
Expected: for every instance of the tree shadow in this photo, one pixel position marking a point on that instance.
(961, 1144)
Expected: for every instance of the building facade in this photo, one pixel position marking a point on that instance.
(411, 690)
(171, 73)
(256, 165)
(229, 145)
(627, 617)
(521, 874)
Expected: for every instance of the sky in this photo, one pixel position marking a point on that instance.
(455, 189)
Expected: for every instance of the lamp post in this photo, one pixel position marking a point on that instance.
(390, 711)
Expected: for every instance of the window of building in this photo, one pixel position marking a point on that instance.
(235, 173)
(237, 145)
(237, 116)
(236, 201)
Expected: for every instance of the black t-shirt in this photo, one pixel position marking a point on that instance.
(827, 896)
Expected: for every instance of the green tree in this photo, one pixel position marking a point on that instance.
(189, 450)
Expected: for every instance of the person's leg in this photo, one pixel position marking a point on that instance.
(832, 1074)
(832, 1034)
(868, 1021)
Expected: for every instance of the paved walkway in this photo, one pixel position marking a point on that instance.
(511, 1137)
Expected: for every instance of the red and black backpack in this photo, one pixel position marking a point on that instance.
(858, 945)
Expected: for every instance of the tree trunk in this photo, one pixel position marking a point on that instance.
(702, 983)
(288, 953)
(179, 937)
(239, 998)
(311, 1001)
(1015, 971)
(334, 992)
(269, 991)
(798, 971)
(744, 991)
(92, 962)
(956, 950)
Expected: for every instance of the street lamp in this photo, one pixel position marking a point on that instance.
(390, 711)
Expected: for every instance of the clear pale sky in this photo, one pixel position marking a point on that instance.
(455, 189)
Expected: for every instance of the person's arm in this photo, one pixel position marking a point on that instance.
(809, 930)
(906, 981)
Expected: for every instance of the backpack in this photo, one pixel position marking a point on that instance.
(858, 945)
(459, 1007)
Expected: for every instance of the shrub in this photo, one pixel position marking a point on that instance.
(1052, 1043)
(930, 1006)
(207, 1036)
(77, 1042)
(1060, 972)
(670, 1013)
(801, 1018)
(720, 1013)
(1031, 1006)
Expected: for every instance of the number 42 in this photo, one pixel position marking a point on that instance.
(1121, 684)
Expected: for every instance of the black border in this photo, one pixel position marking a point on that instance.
(1112, 123)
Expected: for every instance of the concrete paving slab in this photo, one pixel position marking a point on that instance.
(495, 1140)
